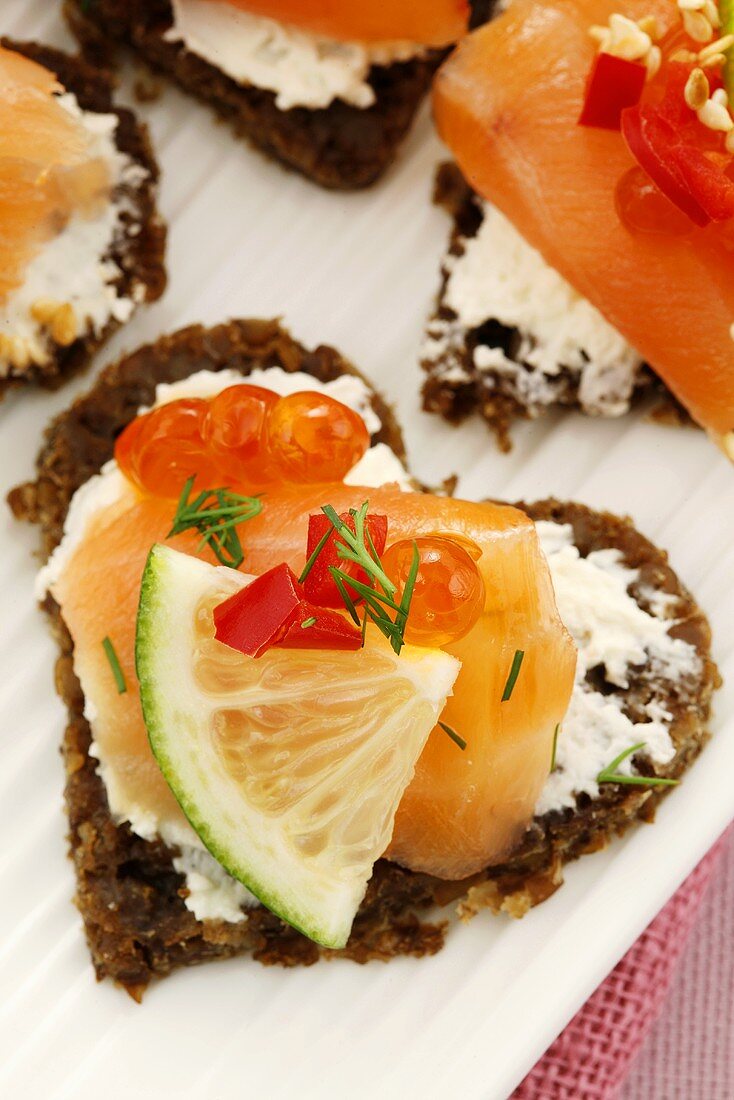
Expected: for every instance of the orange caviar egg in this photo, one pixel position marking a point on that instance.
(643, 208)
(313, 438)
(234, 430)
(162, 449)
(448, 597)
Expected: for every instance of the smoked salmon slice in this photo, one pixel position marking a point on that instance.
(507, 103)
(463, 810)
(431, 22)
(46, 170)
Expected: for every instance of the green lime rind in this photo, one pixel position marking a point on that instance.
(159, 674)
(317, 895)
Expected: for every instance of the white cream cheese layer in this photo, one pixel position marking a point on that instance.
(303, 70)
(212, 893)
(612, 632)
(73, 266)
(501, 277)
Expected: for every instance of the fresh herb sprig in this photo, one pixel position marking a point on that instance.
(215, 514)
(115, 665)
(609, 774)
(517, 661)
(455, 737)
(380, 595)
(556, 731)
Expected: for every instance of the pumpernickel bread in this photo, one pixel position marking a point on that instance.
(137, 250)
(485, 368)
(340, 146)
(129, 894)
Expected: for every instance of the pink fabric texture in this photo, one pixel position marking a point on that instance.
(595, 1053)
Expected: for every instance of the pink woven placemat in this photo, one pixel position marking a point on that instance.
(594, 1055)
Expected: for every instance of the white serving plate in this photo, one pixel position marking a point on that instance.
(359, 272)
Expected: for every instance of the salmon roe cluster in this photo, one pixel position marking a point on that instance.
(246, 438)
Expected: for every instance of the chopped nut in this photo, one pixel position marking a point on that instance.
(649, 25)
(44, 310)
(714, 61)
(697, 26)
(64, 327)
(721, 45)
(716, 116)
(19, 354)
(697, 90)
(654, 61)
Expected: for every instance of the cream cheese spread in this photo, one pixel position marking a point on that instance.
(212, 893)
(303, 70)
(74, 266)
(500, 277)
(614, 633)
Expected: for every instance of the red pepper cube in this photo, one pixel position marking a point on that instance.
(258, 616)
(330, 631)
(319, 584)
(613, 85)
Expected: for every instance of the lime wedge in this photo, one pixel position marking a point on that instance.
(290, 767)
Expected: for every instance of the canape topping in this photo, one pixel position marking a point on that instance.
(241, 440)
(700, 18)
(630, 41)
(68, 206)
(303, 69)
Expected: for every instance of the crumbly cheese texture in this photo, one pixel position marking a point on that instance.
(500, 277)
(303, 70)
(212, 893)
(614, 634)
(75, 266)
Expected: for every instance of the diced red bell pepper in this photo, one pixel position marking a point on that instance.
(613, 85)
(330, 631)
(271, 612)
(652, 142)
(319, 584)
(258, 616)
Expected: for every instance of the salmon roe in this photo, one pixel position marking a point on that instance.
(160, 450)
(246, 437)
(449, 591)
(312, 438)
(234, 429)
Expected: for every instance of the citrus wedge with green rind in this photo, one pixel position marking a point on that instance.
(290, 767)
(726, 15)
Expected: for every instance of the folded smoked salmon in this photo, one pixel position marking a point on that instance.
(81, 243)
(528, 765)
(596, 140)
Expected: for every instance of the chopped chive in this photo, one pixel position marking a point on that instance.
(514, 673)
(215, 514)
(312, 560)
(348, 601)
(308, 623)
(609, 774)
(453, 735)
(556, 731)
(117, 672)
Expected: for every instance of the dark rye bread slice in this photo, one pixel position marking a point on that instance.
(138, 252)
(339, 146)
(128, 892)
(454, 387)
